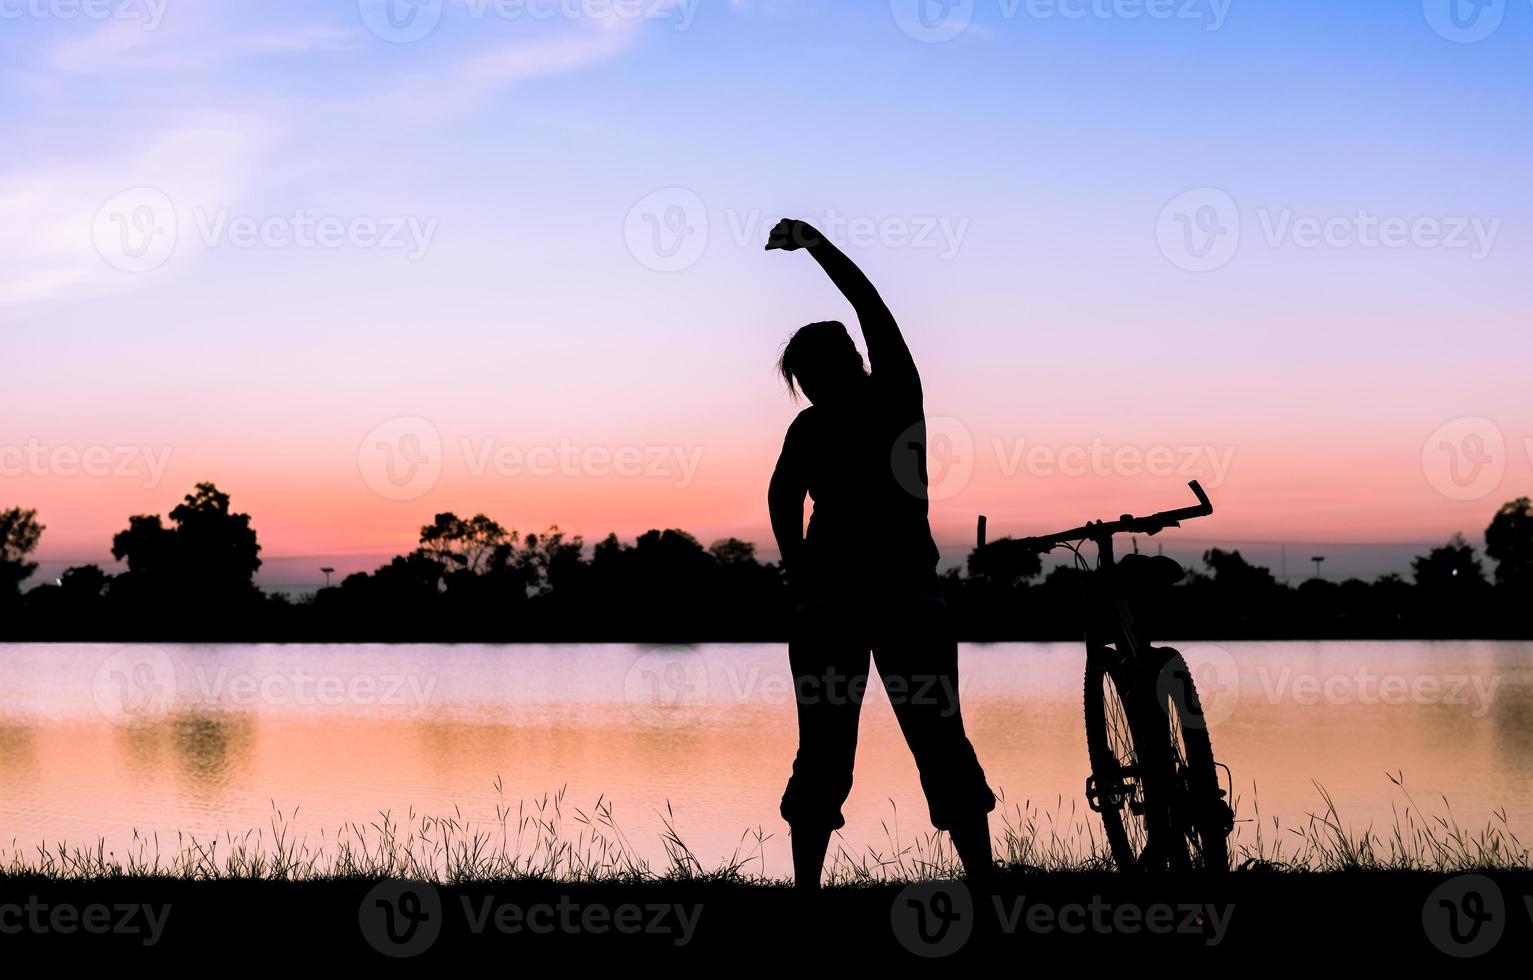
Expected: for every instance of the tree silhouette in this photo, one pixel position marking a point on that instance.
(1005, 563)
(476, 580)
(210, 553)
(84, 582)
(547, 561)
(1451, 568)
(1231, 570)
(408, 579)
(469, 545)
(732, 551)
(1509, 540)
(19, 534)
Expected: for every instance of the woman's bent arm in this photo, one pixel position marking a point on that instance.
(887, 352)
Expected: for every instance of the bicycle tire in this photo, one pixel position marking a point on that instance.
(1112, 745)
(1201, 814)
(1173, 815)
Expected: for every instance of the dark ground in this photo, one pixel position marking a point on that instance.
(1248, 921)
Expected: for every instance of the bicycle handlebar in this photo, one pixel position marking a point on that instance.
(1127, 524)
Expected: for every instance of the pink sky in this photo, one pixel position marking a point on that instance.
(1020, 193)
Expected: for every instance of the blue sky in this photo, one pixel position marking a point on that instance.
(1042, 146)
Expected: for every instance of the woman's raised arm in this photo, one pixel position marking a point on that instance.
(887, 351)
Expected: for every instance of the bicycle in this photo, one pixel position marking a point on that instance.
(1153, 775)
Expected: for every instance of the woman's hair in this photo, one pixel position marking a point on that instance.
(820, 350)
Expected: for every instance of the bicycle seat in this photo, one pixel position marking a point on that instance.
(1150, 571)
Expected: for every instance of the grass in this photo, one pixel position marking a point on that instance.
(1317, 891)
(549, 840)
(1415, 841)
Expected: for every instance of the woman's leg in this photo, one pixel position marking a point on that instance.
(809, 846)
(918, 660)
(830, 676)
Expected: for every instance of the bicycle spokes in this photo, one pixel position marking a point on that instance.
(1121, 785)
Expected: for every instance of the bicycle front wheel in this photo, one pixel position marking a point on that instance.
(1117, 788)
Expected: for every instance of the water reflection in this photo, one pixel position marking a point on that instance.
(709, 731)
(211, 748)
(18, 749)
(206, 750)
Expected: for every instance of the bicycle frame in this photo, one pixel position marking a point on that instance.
(1117, 647)
(1101, 534)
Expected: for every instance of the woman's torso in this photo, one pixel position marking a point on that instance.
(865, 465)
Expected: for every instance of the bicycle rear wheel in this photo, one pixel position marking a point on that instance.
(1200, 816)
(1153, 778)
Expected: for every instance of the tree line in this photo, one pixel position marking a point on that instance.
(475, 580)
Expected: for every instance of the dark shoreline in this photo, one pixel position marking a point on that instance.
(1242, 919)
(473, 581)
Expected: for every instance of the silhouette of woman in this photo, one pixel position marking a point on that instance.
(864, 576)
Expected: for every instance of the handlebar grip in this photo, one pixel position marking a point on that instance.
(1197, 489)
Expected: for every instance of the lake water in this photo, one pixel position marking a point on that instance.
(97, 741)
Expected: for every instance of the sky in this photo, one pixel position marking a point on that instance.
(361, 262)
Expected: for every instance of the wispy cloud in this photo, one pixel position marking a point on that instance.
(306, 39)
(200, 106)
(50, 246)
(493, 65)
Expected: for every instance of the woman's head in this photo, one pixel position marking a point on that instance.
(821, 361)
